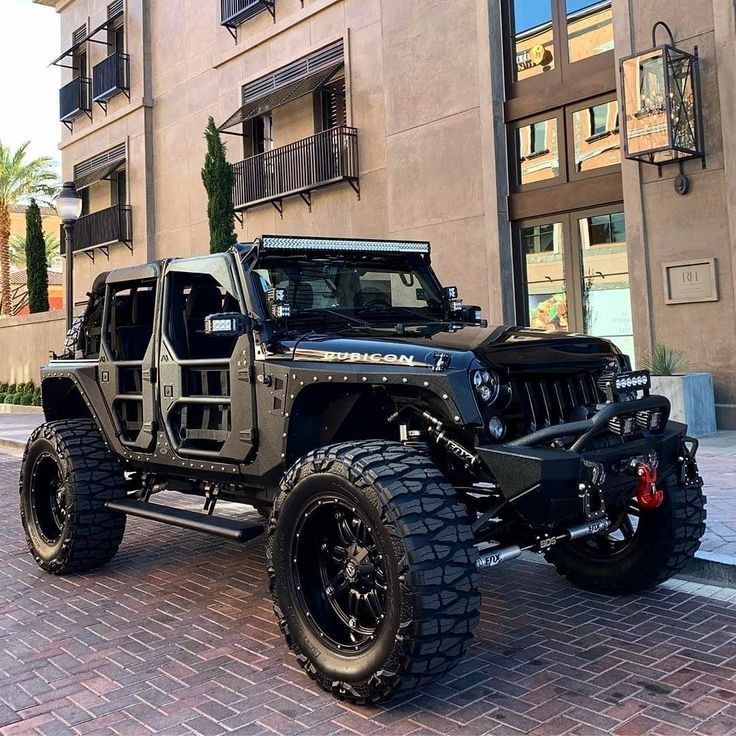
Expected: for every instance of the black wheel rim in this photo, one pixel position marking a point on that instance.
(618, 539)
(339, 574)
(48, 498)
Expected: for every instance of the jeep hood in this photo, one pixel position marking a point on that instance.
(518, 348)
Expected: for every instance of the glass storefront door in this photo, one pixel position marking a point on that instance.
(545, 286)
(574, 274)
(606, 296)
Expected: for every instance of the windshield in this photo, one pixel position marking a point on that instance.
(355, 288)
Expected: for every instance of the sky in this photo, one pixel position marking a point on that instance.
(29, 88)
(531, 13)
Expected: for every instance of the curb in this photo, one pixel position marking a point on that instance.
(712, 569)
(15, 445)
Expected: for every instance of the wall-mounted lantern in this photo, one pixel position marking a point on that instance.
(662, 115)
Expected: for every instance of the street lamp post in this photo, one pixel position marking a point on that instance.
(69, 207)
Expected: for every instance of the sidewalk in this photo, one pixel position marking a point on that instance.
(716, 458)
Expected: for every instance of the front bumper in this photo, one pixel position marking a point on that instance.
(547, 485)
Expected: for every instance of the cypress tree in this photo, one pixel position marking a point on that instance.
(217, 177)
(37, 276)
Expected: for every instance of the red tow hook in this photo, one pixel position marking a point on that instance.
(647, 494)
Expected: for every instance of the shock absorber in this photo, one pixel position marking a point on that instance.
(496, 555)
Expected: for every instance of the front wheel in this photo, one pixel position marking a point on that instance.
(643, 548)
(66, 477)
(372, 569)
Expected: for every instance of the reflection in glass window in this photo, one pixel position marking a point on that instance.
(605, 279)
(644, 93)
(532, 42)
(605, 229)
(597, 136)
(542, 248)
(537, 152)
(589, 28)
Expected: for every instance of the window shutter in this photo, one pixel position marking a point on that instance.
(335, 104)
(79, 34)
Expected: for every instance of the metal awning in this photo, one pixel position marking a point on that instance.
(99, 167)
(89, 37)
(281, 96)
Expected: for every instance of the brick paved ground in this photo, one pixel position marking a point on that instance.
(717, 460)
(176, 636)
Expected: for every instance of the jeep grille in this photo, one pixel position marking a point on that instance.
(545, 400)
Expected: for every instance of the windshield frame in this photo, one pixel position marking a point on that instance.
(418, 263)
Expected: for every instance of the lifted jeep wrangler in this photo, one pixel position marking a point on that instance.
(393, 442)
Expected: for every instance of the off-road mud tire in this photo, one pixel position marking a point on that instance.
(90, 535)
(669, 538)
(436, 591)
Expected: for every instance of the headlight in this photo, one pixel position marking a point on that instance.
(487, 385)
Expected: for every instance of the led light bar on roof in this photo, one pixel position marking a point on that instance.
(275, 242)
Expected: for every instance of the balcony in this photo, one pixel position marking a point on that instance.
(110, 77)
(235, 12)
(74, 99)
(101, 229)
(299, 168)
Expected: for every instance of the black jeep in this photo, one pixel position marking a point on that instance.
(393, 443)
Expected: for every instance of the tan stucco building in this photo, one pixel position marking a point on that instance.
(490, 127)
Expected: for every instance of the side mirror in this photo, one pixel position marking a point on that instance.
(227, 324)
(474, 315)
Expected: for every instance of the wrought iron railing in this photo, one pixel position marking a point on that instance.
(233, 12)
(111, 76)
(74, 98)
(101, 228)
(323, 159)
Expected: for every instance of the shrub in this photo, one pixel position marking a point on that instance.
(37, 276)
(37, 397)
(9, 399)
(217, 177)
(3, 388)
(666, 361)
(26, 399)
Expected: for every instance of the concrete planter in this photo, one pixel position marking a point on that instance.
(692, 399)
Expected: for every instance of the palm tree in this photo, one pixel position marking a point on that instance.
(18, 250)
(20, 178)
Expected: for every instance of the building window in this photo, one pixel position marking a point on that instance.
(116, 37)
(263, 134)
(84, 196)
(119, 188)
(543, 275)
(546, 40)
(589, 28)
(537, 152)
(333, 103)
(574, 275)
(596, 136)
(532, 42)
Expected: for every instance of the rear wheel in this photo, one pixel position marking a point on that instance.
(67, 476)
(642, 548)
(372, 569)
